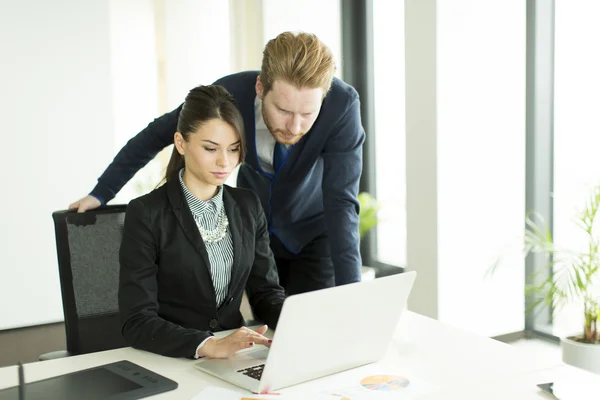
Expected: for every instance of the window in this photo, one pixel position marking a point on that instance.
(576, 130)
(481, 162)
(388, 30)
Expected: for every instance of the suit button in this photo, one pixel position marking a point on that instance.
(214, 324)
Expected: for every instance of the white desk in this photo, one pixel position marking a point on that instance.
(524, 386)
(458, 364)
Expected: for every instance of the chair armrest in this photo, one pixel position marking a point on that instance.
(54, 355)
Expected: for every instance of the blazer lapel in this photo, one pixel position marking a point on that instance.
(236, 229)
(188, 225)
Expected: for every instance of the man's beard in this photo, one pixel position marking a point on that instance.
(274, 132)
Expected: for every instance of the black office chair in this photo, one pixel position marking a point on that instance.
(87, 246)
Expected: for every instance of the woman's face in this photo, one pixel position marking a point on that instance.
(211, 153)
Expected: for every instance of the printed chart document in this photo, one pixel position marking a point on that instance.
(371, 382)
(217, 393)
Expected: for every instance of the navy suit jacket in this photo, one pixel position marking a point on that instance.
(313, 194)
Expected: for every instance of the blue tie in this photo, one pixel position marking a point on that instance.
(280, 154)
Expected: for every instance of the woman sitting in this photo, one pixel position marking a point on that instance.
(191, 247)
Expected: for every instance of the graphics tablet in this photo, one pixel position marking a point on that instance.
(121, 380)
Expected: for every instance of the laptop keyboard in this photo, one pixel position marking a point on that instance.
(253, 372)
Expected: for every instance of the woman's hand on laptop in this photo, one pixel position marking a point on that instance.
(243, 338)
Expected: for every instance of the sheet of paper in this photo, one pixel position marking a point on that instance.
(217, 393)
(576, 390)
(377, 383)
(370, 382)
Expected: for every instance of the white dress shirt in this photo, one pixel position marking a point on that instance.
(265, 142)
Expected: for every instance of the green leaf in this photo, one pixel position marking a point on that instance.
(580, 284)
(572, 272)
(368, 216)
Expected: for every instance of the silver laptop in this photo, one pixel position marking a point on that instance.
(320, 333)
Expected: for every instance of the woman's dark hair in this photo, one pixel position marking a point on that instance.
(202, 104)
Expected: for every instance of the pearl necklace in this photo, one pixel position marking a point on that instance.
(215, 235)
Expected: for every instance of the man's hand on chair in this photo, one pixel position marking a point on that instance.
(88, 202)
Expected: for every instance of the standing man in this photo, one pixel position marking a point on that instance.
(304, 159)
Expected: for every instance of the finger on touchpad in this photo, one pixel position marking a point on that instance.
(259, 354)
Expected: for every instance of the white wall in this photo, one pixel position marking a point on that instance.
(246, 19)
(576, 134)
(390, 126)
(78, 80)
(56, 107)
(421, 155)
(321, 17)
(481, 162)
(172, 47)
(465, 113)
(196, 45)
(134, 79)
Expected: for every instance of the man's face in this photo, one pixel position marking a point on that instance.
(289, 112)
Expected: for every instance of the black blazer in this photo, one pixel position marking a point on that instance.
(166, 296)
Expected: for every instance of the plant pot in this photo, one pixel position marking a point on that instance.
(582, 355)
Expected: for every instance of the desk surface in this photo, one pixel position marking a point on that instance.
(449, 362)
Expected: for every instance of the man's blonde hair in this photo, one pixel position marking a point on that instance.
(300, 59)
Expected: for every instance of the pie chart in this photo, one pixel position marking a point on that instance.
(384, 383)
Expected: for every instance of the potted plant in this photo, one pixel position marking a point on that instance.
(367, 220)
(575, 278)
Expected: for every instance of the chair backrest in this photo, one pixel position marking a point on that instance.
(88, 245)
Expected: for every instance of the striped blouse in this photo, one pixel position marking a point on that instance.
(220, 253)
